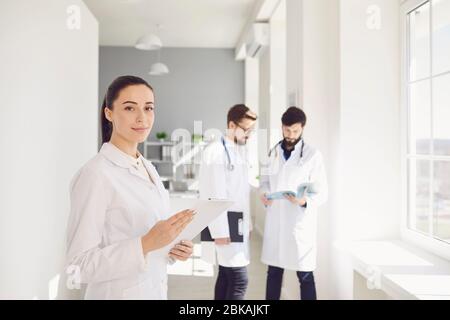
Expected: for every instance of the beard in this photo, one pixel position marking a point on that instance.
(240, 142)
(290, 143)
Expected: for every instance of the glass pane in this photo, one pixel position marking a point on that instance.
(441, 115)
(420, 118)
(419, 42)
(441, 36)
(419, 195)
(441, 200)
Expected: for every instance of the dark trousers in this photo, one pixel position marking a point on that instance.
(275, 278)
(231, 283)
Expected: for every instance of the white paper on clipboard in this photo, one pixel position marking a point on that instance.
(207, 211)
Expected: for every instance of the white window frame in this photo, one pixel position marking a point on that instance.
(425, 241)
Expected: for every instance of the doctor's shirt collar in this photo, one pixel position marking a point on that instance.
(118, 157)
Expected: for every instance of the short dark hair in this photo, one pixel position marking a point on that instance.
(292, 116)
(111, 94)
(239, 112)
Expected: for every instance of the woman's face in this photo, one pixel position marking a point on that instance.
(132, 113)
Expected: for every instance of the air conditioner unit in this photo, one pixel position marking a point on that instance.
(257, 39)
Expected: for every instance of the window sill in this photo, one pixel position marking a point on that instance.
(400, 270)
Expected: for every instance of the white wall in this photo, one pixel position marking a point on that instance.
(252, 101)
(294, 53)
(263, 137)
(48, 129)
(369, 133)
(278, 78)
(370, 102)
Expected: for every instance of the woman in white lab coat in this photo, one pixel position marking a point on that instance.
(224, 175)
(119, 207)
(290, 227)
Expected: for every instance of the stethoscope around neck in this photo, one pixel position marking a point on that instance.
(230, 165)
(275, 148)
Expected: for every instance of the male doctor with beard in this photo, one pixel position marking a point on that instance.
(290, 227)
(224, 175)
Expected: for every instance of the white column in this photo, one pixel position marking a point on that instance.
(48, 129)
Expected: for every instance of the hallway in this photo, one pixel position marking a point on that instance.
(372, 78)
(195, 279)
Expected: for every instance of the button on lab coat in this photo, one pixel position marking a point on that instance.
(216, 181)
(112, 206)
(290, 231)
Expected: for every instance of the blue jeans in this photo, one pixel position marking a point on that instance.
(231, 283)
(275, 278)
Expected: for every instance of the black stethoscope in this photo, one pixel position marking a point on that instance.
(275, 148)
(230, 166)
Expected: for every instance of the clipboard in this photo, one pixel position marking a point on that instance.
(207, 211)
(235, 221)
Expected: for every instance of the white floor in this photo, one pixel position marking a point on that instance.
(195, 279)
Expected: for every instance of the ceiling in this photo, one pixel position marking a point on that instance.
(184, 23)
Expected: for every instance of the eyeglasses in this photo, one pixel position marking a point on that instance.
(246, 131)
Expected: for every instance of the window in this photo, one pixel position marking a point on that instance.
(427, 90)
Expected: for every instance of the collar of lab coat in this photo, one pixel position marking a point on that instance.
(295, 153)
(232, 145)
(298, 146)
(121, 159)
(237, 152)
(117, 156)
(228, 142)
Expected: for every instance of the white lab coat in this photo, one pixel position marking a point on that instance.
(112, 206)
(216, 181)
(290, 231)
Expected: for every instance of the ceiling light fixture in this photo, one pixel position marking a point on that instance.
(149, 42)
(159, 68)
